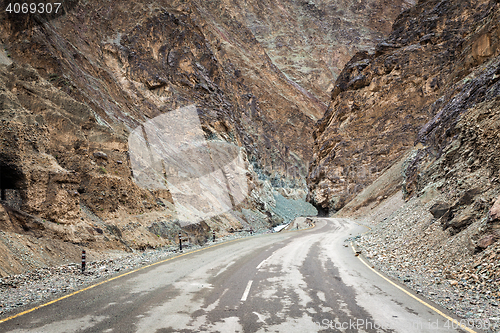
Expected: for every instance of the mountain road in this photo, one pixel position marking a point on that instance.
(301, 281)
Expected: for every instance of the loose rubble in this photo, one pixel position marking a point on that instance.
(413, 248)
(40, 285)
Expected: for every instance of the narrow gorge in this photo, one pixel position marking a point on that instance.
(386, 112)
(76, 85)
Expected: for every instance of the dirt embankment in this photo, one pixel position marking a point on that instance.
(434, 208)
(75, 85)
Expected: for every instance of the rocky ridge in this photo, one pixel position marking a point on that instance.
(408, 147)
(381, 100)
(311, 41)
(74, 86)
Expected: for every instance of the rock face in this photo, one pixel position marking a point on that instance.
(457, 154)
(415, 126)
(311, 41)
(436, 64)
(74, 86)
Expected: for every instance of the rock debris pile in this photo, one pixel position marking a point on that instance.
(410, 246)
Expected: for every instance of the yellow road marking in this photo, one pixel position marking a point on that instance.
(415, 297)
(111, 279)
(119, 276)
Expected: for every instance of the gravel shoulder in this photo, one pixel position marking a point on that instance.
(407, 244)
(23, 291)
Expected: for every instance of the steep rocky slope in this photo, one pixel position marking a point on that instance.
(409, 146)
(381, 100)
(311, 41)
(74, 87)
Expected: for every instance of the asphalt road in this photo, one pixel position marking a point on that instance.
(304, 281)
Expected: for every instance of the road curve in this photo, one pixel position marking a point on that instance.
(305, 281)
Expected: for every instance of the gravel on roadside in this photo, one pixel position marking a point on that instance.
(43, 284)
(412, 248)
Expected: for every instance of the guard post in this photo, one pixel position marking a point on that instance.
(84, 259)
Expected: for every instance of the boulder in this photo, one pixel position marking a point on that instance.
(487, 241)
(461, 221)
(100, 154)
(468, 197)
(439, 209)
(495, 210)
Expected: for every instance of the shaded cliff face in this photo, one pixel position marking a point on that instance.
(410, 144)
(381, 101)
(311, 41)
(74, 87)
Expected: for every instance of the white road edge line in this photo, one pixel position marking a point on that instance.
(263, 261)
(459, 325)
(247, 290)
(224, 269)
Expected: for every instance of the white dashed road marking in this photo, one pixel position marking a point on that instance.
(247, 290)
(263, 261)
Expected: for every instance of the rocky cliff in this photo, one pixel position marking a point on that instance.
(77, 84)
(408, 145)
(381, 100)
(74, 87)
(311, 41)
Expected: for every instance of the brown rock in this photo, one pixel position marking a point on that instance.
(100, 154)
(5, 223)
(439, 209)
(419, 99)
(461, 221)
(468, 196)
(494, 213)
(487, 241)
(296, 45)
(165, 56)
(374, 124)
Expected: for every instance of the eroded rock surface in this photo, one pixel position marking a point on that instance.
(75, 85)
(311, 41)
(381, 101)
(409, 145)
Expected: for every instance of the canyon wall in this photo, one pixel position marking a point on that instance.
(409, 146)
(381, 100)
(311, 41)
(76, 86)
